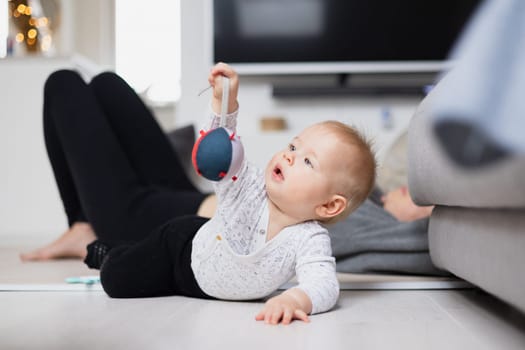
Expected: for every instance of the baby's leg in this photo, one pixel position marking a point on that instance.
(159, 265)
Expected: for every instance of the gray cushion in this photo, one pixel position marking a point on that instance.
(434, 179)
(485, 247)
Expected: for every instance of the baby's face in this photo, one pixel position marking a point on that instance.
(301, 176)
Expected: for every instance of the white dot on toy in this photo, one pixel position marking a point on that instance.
(218, 153)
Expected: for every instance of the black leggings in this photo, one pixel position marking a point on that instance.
(116, 169)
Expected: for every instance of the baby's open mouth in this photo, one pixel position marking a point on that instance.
(277, 173)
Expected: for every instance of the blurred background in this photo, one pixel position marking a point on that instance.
(165, 49)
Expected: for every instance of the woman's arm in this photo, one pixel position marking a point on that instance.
(400, 205)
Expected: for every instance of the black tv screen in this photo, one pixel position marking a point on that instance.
(294, 36)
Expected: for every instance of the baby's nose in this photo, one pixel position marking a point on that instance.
(289, 157)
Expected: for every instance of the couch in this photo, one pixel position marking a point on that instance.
(477, 228)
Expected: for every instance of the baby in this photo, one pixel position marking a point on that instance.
(267, 227)
(141, 218)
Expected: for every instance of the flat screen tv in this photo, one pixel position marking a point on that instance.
(336, 36)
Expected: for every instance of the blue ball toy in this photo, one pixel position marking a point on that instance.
(217, 154)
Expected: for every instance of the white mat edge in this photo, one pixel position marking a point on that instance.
(52, 287)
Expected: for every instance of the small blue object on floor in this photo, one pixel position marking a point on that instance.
(84, 279)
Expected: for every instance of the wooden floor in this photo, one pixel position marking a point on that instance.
(363, 319)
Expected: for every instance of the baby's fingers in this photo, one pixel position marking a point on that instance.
(264, 315)
(301, 315)
(269, 315)
(215, 80)
(223, 69)
(287, 316)
(283, 315)
(275, 316)
(260, 315)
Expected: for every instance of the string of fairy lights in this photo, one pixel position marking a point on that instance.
(33, 29)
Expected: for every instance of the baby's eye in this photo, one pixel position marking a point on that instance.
(291, 147)
(308, 162)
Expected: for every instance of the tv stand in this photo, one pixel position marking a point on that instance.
(345, 86)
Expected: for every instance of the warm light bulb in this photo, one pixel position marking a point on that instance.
(21, 8)
(32, 33)
(28, 10)
(19, 37)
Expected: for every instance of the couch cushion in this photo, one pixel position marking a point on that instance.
(434, 179)
(485, 247)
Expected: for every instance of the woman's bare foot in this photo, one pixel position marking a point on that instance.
(72, 244)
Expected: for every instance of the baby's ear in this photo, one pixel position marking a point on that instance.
(335, 206)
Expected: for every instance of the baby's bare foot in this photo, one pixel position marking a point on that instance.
(72, 244)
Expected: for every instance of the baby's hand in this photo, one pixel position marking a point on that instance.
(282, 308)
(215, 80)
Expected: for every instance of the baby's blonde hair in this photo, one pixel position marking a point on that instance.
(358, 170)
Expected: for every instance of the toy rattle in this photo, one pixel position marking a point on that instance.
(218, 153)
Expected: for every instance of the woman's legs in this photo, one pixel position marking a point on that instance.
(147, 147)
(71, 244)
(57, 158)
(79, 233)
(167, 192)
(100, 177)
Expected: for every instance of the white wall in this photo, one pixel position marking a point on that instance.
(92, 31)
(29, 200)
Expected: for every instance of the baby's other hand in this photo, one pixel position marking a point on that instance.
(219, 71)
(282, 308)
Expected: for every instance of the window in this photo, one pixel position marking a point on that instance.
(147, 47)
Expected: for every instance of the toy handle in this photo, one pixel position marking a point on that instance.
(224, 101)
